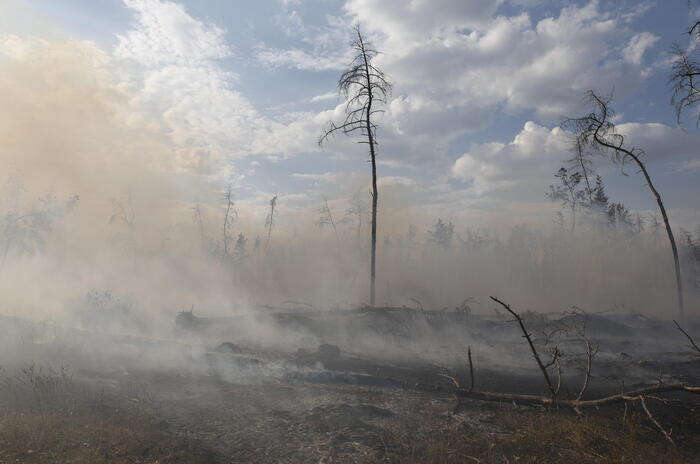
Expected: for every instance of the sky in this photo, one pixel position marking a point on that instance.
(239, 93)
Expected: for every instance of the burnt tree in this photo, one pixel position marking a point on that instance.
(596, 134)
(363, 86)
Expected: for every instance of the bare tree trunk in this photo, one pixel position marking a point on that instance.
(363, 85)
(375, 193)
(674, 248)
(225, 228)
(579, 158)
(669, 232)
(271, 220)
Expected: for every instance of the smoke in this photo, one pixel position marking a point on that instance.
(145, 238)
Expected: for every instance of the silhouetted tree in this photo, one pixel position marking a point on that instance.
(240, 251)
(442, 234)
(596, 134)
(580, 161)
(325, 218)
(356, 210)
(363, 86)
(619, 216)
(567, 192)
(600, 198)
(24, 231)
(270, 219)
(685, 75)
(228, 218)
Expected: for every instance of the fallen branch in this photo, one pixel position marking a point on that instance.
(687, 335)
(535, 354)
(577, 404)
(538, 400)
(471, 368)
(654, 421)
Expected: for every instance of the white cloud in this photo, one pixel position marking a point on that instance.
(167, 34)
(637, 46)
(321, 47)
(386, 181)
(659, 141)
(172, 70)
(456, 64)
(533, 154)
(301, 59)
(326, 177)
(536, 152)
(324, 96)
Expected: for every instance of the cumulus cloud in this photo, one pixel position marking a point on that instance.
(659, 141)
(537, 151)
(495, 166)
(456, 64)
(457, 67)
(176, 79)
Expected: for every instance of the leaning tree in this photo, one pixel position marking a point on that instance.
(596, 134)
(363, 86)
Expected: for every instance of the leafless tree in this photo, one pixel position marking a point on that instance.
(326, 219)
(357, 209)
(581, 161)
(596, 134)
(684, 76)
(567, 192)
(228, 218)
(270, 219)
(363, 86)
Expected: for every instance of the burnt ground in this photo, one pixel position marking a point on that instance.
(213, 395)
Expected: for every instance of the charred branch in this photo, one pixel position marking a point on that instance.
(687, 335)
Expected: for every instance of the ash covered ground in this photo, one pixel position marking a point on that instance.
(355, 385)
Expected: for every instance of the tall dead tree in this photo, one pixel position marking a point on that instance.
(596, 134)
(270, 219)
(363, 86)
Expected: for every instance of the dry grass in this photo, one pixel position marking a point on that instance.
(540, 436)
(47, 417)
(92, 438)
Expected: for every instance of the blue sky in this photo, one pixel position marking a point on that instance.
(240, 92)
